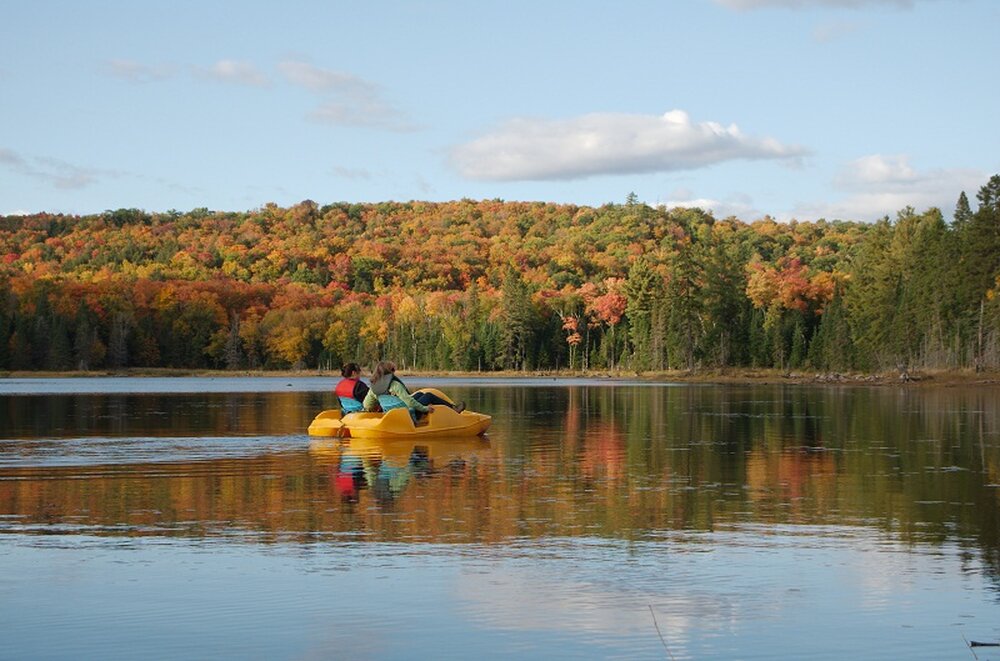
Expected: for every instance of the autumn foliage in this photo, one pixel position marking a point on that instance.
(488, 284)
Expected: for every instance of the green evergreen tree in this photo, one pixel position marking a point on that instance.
(725, 304)
(83, 339)
(983, 264)
(233, 350)
(830, 348)
(515, 321)
(873, 297)
(20, 346)
(641, 289)
(118, 340)
(59, 356)
(685, 302)
(759, 344)
(39, 336)
(6, 328)
(963, 214)
(797, 353)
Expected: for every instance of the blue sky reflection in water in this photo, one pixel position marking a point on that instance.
(744, 522)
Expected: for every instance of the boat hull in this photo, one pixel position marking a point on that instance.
(397, 423)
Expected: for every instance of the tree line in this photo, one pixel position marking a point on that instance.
(489, 285)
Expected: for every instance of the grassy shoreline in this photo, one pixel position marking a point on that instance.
(734, 376)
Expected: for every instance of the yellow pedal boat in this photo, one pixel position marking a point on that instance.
(442, 421)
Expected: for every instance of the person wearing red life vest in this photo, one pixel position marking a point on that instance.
(351, 390)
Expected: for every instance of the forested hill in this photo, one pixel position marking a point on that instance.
(491, 284)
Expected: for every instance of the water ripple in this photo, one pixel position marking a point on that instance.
(101, 451)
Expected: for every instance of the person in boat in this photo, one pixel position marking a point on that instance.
(351, 390)
(385, 382)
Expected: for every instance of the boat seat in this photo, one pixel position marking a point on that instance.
(350, 405)
(390, 402)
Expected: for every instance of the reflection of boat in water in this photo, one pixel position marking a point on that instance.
(386, 466)
(400, 450)
(442, 421)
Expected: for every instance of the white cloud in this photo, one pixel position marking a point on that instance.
(60, 174)
(803, 4)
(878, 171)
(739, 205)
(366, 115)
(136, 72)
(226, 71)
(349, 100)
(878, 186)
(234, 71)
(327, 81)
(609, 144)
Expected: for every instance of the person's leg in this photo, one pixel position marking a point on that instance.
(428, 398)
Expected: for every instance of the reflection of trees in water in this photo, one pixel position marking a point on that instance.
(621, 461)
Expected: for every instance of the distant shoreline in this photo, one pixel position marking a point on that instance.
(730, 376)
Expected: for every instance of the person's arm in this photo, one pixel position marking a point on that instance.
(371, 401)
(399, 390)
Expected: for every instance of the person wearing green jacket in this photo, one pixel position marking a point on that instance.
(385, 382)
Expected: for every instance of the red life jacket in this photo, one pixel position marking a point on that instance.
(345, 388)
(349, 388)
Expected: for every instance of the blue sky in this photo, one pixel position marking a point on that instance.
(792, 108)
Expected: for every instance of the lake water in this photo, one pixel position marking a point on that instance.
(193, 518)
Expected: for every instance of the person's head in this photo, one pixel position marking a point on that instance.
(384, 367)
(350, 371)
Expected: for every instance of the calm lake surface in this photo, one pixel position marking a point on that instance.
(194, 518)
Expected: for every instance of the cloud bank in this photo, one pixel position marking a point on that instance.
(348, 99)
(60, 174)
(739, 205)
(609, 144)
(234, 71)
(136, 72)
(880, 185)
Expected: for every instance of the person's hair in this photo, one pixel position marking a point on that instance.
(348, 369)
(384, 367)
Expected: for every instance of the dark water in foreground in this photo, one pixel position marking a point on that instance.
(600, 520)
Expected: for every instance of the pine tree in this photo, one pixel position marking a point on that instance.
(59, 355)
(82, 341)
(725, 301)
(963, 214)
(515, 320)
(831, 345)
(6, 328)
(20, 346)
(759, 344)
(233, 350)
(118, 340)
(641, 288)
(683, 295)
(797, 355)
(984, 234)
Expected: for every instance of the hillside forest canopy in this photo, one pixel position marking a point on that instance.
(490, 285)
